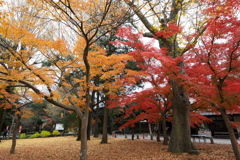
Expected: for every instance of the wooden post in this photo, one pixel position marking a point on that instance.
(211, 139)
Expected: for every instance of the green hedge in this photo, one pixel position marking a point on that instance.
(23, 136)
(45, 134)
(55, 133)
(36, 135)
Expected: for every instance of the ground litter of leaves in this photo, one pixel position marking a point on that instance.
(67, 148)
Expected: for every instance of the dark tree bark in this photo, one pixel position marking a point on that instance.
(89, 126)
(231, 134)
(79, 129)
(2, 117)
(105, 125)
(83, 151)
(158, 127)
(165, 136)
(132, 130)
(180, 140)
(15, 130)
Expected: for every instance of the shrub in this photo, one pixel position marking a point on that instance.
(55, 133)
(45, 134)
(23, 136)
(36, 135)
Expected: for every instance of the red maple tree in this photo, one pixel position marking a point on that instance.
(213, 66)
(157, 68)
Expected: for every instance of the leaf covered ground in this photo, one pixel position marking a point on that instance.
(67, 148)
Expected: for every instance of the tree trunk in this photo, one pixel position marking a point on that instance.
(79, 129)
(10, 127)
(2, 116)
(39, 128)
(83, 151)
(52, 127)
(15, 130)
(89, 129)
(158, 127)
(132, 130)
(105, 124)
(89, 126)
(180, 140)
(231, 134)
(165, 137)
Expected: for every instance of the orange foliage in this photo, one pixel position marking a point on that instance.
(117, 148)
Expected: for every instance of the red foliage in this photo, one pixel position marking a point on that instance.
(235, 124)
(170, 30)
(197, 119)
(226, 8)
(156, 69)
(214, 65)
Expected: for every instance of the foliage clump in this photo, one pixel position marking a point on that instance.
(45, 134)
(23, 136)
(55, 133)
(35, 135)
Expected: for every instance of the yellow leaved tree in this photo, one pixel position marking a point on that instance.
(42, 56)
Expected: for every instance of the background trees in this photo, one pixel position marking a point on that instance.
(70, 66)
(55, 62)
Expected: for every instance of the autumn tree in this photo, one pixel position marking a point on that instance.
(13, 13)
(156, 71)
(3, 105)
(110, 49)
(214, 65)
(168, 22)
(15, 100)
(18, 109)
(11, 93)
(154, 102)
(82, 56)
